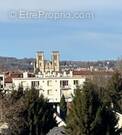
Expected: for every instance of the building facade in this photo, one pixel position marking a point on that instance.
(42, 65)
(52, 86)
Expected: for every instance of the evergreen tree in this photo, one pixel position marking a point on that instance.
(88, 114)
(106, 122)
(39, 115)
(63, 108)
(83, 111)
(34, 116)
(114, 90)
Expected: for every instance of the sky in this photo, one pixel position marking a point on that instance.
(98, 38)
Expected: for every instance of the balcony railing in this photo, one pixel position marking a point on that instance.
(66, 87)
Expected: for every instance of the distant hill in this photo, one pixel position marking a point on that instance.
(11, 63)
(27, 64)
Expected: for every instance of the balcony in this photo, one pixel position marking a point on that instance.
(66, 87)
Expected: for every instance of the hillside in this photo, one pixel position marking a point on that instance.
(11, 63)
(27, 64)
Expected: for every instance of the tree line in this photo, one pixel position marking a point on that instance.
(93, 110)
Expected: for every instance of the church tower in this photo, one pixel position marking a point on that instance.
(44, 66)
(55, 61)
(40, 61)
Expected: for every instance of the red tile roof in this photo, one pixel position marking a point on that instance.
(10, 75)
(8, 79)
(87, 72)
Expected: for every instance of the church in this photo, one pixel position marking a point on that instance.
(44, 66)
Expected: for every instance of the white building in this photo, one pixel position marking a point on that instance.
(52, 86)
(2, 81)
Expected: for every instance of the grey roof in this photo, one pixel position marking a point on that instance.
(57, 131)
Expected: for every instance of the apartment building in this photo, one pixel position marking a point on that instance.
(51, 85)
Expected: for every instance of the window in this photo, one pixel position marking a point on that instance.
(75, 82)
(35, 84)
(1, 78)
(49, 82)
(1, 86)
(63, 83)
(40, 57)
(49, 92)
